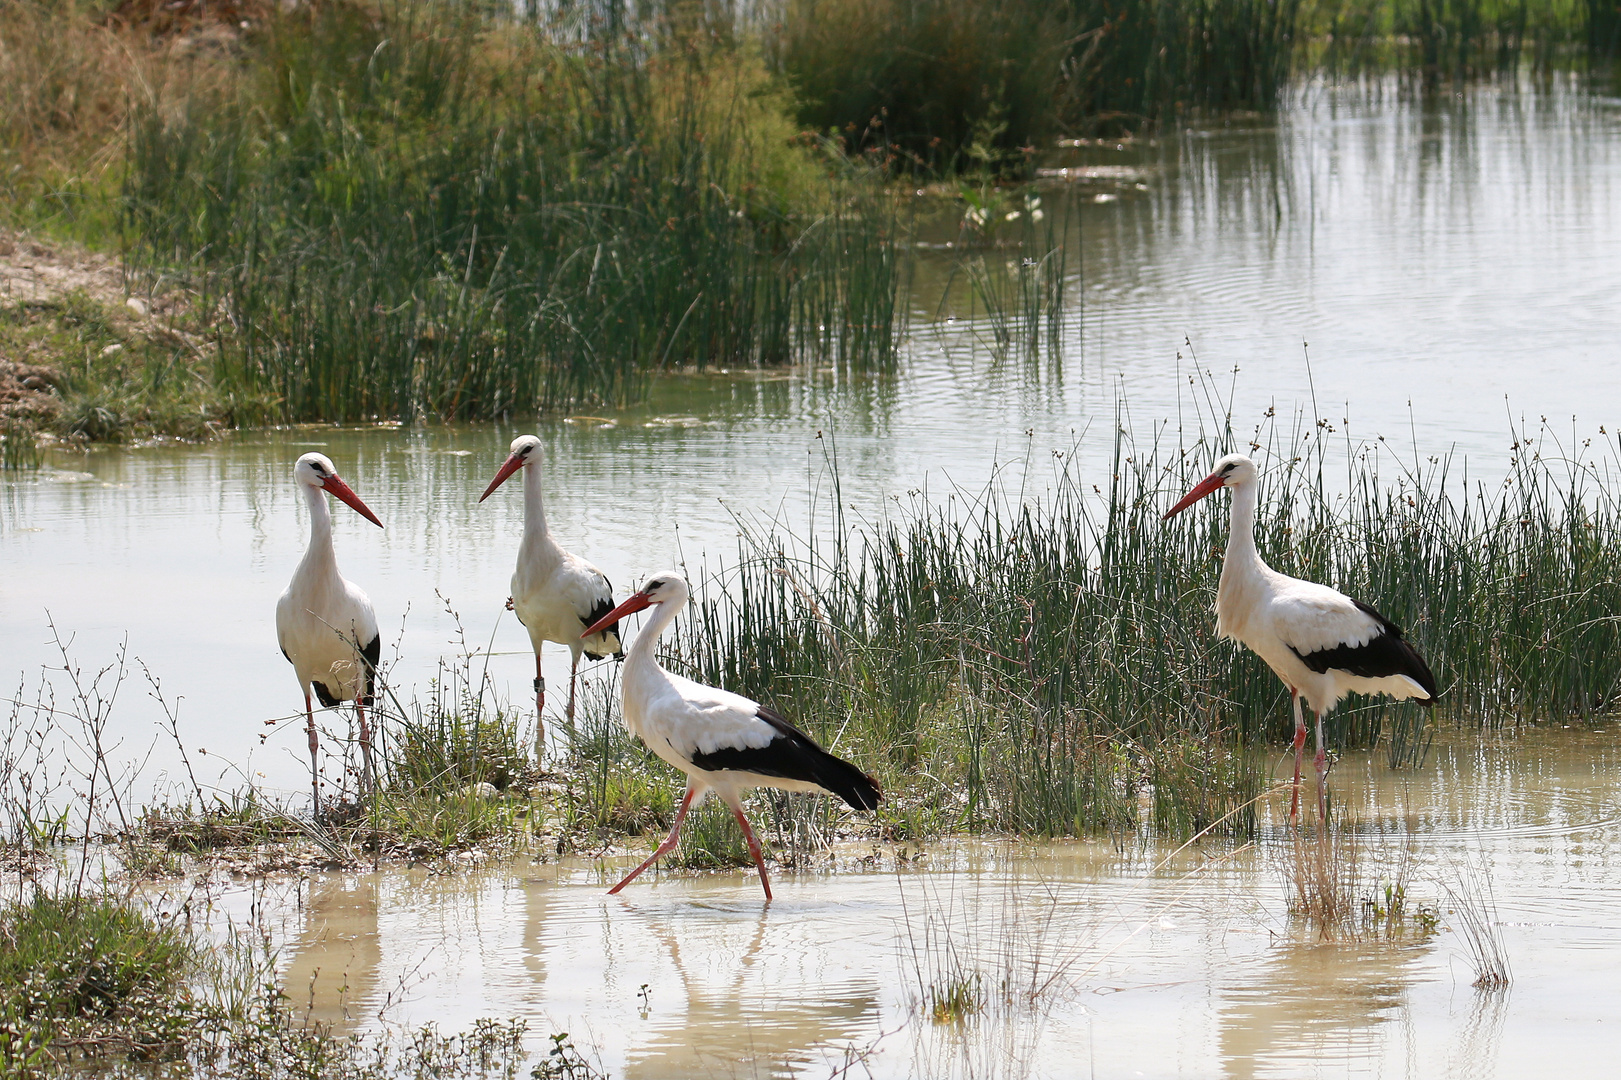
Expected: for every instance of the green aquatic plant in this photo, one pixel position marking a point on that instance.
(1051, 657)
(96, 970)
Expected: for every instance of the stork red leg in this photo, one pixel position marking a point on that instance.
(1321, 762)
(315, 749)
(572, 668)
(754, 847)
(669, 841)
(540, 713)
(1300, 754)
(366, 775)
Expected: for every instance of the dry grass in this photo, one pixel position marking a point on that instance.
(1322, 872)
(1342, 889)
(72, 74)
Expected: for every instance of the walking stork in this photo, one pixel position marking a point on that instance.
(324, 623)
(724, 742)
(554, 593)
(1319, 641)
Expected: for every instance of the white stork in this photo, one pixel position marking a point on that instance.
(324, 623)
(554, 593)
(1319, 641)
(723, 741)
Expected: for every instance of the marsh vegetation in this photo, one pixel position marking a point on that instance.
(418, 210)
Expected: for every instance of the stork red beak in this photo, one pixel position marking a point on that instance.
(337, 487)
(511, 465)
(633, 603)
(1208, 486)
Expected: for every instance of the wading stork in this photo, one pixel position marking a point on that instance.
(724, 742)
(1319, 641)
(324, 623)
(555, 594)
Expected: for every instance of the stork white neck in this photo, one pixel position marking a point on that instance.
(1241, 526)
(641, 650)
(1243, 572)
(319, 553)
(534, 503)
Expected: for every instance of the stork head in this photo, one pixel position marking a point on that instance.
(525, 449)
(317, 471)
(665, 588)
(1230, 471)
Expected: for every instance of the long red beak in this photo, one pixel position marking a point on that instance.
(1208, 486)
(511, 465)
(633, 603)
(337, 487)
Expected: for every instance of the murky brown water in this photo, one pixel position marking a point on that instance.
(1147, 962)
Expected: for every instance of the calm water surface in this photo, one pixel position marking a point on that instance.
(1450, 260)
(1152, 963)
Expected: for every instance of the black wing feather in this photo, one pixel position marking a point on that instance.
(603, 606)
(372, 653)
(1387, 653)
(793, 755)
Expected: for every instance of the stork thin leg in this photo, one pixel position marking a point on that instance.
(1300, 754)
(540, 713)
(572, 668)
(1322, 774)
(367, 777)
(754, 848)
(669, 841)
(315, 749)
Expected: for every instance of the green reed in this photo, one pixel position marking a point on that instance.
(1159, 58)
(412, 211)
(981, 85)
(936, 85)
(1049, 660)
(1454, 39)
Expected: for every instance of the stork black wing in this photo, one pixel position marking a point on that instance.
(372, 653)
(1387, 653)
(793, 755)
(603, 606)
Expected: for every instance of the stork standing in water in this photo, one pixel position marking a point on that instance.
(324, 623)
(724, 742)
(1319, 641)
(555, 594)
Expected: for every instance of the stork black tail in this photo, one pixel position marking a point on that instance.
(847, 782)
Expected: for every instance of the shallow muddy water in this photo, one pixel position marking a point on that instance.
(1146, 961)
(1450, 252)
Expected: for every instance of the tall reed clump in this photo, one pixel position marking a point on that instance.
(1053, 659)
(1604, 30)
(1156, 59)
(1453, 39)
(417, 209)
(982, 85)
(935, 85)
